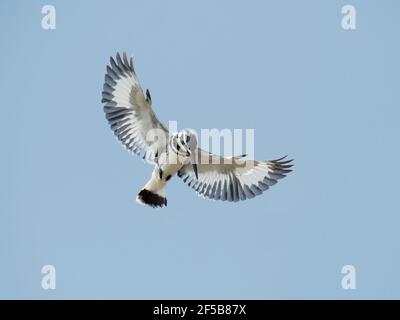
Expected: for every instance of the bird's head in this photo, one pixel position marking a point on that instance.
(185, 145)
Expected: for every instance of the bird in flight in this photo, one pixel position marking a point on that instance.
(131, 117)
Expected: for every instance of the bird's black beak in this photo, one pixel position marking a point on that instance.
(193, 160)
(195, 170)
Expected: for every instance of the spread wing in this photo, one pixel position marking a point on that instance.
(129, 112)
(233, 179)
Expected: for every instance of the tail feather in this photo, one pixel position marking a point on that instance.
(151, 199)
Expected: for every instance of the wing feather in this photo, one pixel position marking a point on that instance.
(233, 179)
(128, 113)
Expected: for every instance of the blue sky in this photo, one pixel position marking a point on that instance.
(327, 97)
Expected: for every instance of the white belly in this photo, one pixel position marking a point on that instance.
(169, 166)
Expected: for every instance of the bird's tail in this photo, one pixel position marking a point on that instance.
(153, 193)
(151, 198)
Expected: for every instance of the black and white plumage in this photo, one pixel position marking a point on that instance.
(233, 179)
(133, 121)
(128, 111)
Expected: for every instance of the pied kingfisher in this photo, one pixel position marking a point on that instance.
(133, 121)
